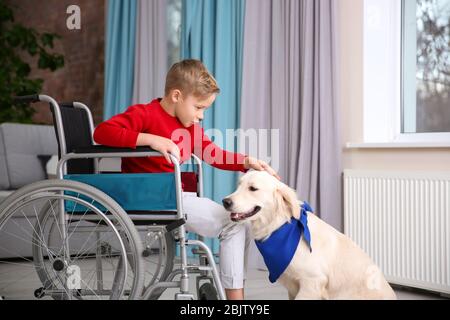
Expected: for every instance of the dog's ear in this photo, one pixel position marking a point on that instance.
(286, 201)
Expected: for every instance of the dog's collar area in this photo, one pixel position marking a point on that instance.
(242, 216)
(279, 249)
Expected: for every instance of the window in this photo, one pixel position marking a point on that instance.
(426, 66)
(174, 31)
(406, 72)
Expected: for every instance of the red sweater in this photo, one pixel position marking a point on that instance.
(122, 131)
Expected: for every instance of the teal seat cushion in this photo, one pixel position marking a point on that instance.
(133, 192)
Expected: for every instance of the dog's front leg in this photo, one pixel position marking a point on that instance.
(312, 289)
(291, 296)
(292, 288)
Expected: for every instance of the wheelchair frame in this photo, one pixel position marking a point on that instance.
(207, 263)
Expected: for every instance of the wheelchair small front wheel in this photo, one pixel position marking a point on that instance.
(207, 292)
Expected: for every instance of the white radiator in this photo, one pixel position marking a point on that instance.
(402, 220)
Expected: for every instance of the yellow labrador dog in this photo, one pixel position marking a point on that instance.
(330, 266)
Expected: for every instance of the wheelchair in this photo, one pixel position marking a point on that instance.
(101, 235)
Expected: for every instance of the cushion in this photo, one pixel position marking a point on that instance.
(4, 176)
(110, 165)
(49, 163)
(19, 150)
(4, 194)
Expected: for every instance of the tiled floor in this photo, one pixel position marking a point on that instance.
(258, 287)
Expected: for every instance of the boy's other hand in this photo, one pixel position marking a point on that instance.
(259, 165)
(163, 145)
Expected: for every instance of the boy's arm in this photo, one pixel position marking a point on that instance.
(126, 130)
(123, 129)
(225, 160)
(161, 144)
(219, 158)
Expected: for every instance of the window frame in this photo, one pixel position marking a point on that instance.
(384, 75)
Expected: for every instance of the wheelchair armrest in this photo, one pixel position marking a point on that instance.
(105, 149)
(100, 151)
(174, 225)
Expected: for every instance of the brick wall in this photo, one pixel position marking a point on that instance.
(82, 77)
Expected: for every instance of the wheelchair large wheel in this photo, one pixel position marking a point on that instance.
(96, 255)
(159, 254)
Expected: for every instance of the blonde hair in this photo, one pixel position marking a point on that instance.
(192, 78)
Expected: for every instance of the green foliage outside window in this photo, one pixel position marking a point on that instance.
(16, 41)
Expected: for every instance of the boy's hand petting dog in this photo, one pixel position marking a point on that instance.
(259, 165)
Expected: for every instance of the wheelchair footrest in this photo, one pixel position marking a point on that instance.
(173, 225)
(184, 296)
(202, 253)
(198, 251)
(199, 268)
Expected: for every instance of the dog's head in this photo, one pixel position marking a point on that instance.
(260, 196)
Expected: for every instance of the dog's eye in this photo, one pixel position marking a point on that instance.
(253, 189)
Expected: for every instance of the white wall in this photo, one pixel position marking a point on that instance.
(351, 102)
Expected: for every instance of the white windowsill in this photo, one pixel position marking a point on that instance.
(396, 145)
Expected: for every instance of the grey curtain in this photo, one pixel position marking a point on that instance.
(151, 63)
(289, 83)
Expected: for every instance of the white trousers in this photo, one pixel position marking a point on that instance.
(209, 219)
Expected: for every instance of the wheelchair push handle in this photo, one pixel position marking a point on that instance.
(33, 98)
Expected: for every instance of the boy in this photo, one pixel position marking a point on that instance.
(190, 90)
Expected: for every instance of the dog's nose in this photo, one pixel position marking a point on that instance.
(227, 203)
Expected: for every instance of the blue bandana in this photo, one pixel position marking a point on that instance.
(279, 249)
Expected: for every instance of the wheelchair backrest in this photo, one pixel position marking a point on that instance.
(77, 134)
